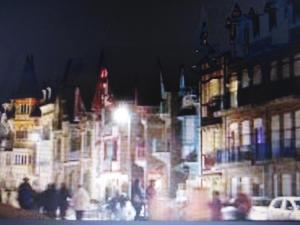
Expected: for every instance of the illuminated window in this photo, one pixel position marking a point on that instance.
(245, 78)
(273, 71)
(257, 76)
(258, 131)
(285, 68)
(297, 65)
(233, 91)
(246, 134)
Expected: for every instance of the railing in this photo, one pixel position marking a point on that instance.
(233, 155)
(259, 152)
(284, 149)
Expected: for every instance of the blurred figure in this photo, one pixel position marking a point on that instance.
(63, 203)
(115, 206)
(137, 198)
(216, 206)
(243, 206)
(50, 201)
(128, 212)
(0, 195)
(81, 201)
(150, 196)
(26, 195)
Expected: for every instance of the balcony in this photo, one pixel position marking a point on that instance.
(236, 155)
(261, 152)
(285, 149)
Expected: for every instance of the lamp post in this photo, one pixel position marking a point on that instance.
(122, 116)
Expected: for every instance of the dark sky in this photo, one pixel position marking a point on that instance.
(132, 34)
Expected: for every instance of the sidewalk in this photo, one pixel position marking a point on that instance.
(9, 212)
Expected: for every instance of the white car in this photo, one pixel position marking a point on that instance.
(284, 208)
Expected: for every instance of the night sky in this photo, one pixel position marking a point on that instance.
(133, 35)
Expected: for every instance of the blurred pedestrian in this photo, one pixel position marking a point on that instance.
(50, 201)
(81, 201)
(216, 206)
(150, 196)
(63, 204)
(137, 198)
(115, 206)
(26, 195)
(243, 205)
(0, 195)
(128, 212)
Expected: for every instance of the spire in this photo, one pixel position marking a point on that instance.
(78, 105)
(28, 86)
(236, 12)
(204, 34)
(101, 92)
(182, 82)
(163, 93)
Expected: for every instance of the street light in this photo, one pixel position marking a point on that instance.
(122, 116)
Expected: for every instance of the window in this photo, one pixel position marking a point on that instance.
(115, 151)
(233, 88)
(257, 76)
(287, 126)
(297, 183)
(275, 135)
(275, 185)
(285, 68)
(214, 88)
(297, 65)
(297, 130)
(245, 78)
(277, 204)
(273, 71)
(233, 136)
(288, 205)
(246, 135)
(105, 155)
(75, 140)
(258, 131)
(287, 185)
